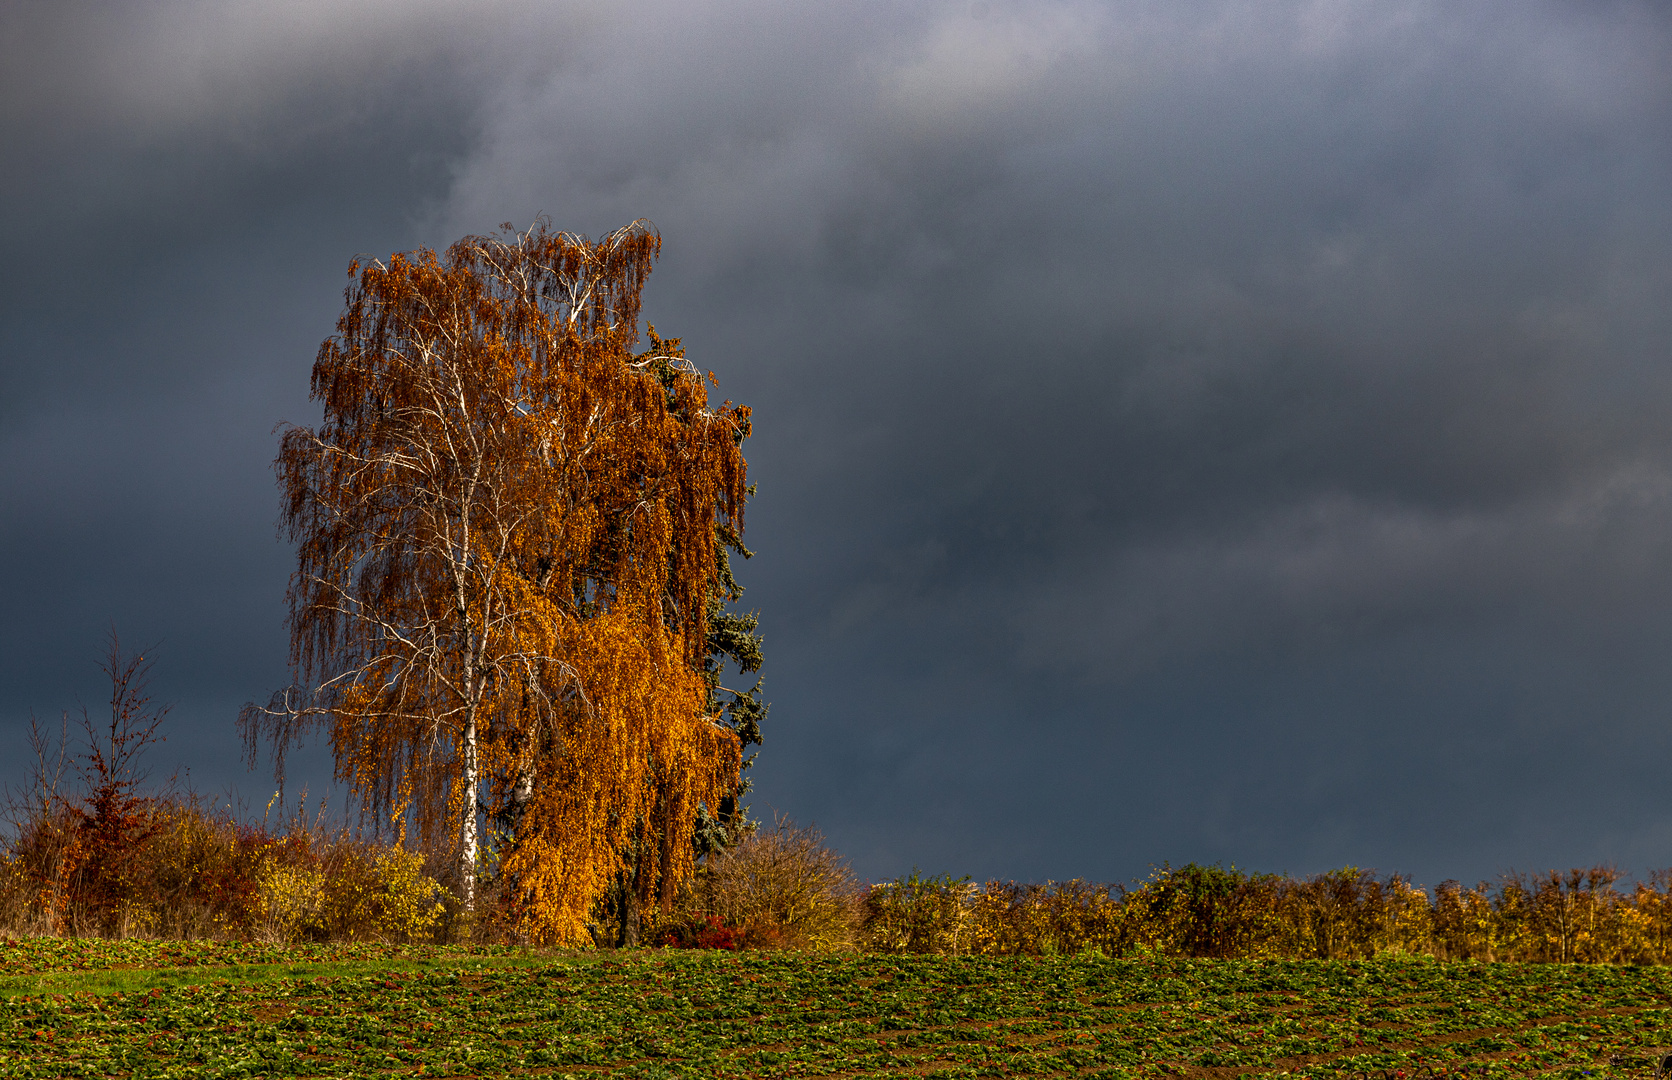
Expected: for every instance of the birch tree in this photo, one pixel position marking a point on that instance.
(505, 557)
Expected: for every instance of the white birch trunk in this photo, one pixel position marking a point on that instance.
(467, 827)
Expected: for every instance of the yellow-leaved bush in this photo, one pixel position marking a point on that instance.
(368, 894)
(291, 901)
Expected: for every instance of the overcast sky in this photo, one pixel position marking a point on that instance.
(1216, 431)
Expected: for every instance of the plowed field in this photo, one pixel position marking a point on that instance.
(101, 1009)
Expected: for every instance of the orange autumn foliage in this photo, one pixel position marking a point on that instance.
(506, 548)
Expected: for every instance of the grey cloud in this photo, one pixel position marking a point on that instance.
(1172, 421)
(1114, 347)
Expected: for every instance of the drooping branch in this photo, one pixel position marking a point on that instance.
(504, 557)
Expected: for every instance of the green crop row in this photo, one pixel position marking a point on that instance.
(760, 1014)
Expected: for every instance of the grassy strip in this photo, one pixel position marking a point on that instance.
(139, 980)
(39, 955)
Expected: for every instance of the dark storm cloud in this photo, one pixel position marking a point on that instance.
(184, 188)
(1235, 431)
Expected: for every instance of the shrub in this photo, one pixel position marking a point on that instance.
(1352, 914)
(382, 894)
(1043, 920)
(1462, 923)
(322, 885)
(1201, 911)
(198, 873)
(203, 868)
(707, 932)
(916, 914)
(292, 904)
(780, 888)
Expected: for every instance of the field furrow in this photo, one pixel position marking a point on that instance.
(438, 1012)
